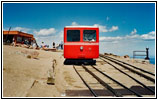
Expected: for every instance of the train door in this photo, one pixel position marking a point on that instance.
(81, 47)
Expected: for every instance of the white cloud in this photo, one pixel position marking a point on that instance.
(149, 36)
(152, 33)
(104, 29)
(134, 32)
(131, 36)
(113, 28)
(110, 39)
(74, 24)
(101, 28)
(21, 29)
(44, 32)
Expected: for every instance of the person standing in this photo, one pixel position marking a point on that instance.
(61, 45)
(13, 42)
(42, 45)
(34, 44)
(53, 44)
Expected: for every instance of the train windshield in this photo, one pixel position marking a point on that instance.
(73, 35)
(89, 35)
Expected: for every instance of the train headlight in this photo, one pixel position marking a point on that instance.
(81, 48)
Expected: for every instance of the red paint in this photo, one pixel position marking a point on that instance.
(72, 49)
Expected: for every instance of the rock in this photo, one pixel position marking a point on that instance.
(29, 56)
(106, 54)
(115, 55)
(126, 56)
(50, 81)
(110, 54)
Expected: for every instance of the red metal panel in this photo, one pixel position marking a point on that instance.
(72, 49)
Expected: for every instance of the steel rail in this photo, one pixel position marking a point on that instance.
(90, 89)
(103, 83)
(134, 71)
(137, 94)
(130, 77)
(130, 65)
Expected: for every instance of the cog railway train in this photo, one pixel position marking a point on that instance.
(81, 44)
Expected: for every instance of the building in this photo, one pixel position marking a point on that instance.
(17, 37)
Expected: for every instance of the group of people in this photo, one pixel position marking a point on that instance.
(34, 44)
(53, 45)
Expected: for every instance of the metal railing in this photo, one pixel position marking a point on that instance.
(146, 54)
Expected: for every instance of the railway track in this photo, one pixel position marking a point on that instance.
(134, 69)
(113, 85)
(129, 65)
(107, 82)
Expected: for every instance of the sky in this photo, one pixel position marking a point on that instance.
(123, 27)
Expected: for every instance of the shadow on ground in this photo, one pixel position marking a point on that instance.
(103, 92)
(79, 62)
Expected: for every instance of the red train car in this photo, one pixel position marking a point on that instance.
(81, 42)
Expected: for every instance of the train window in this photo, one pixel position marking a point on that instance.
(73, 35)
(89, 35)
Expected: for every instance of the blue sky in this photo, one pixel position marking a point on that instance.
(124, 27)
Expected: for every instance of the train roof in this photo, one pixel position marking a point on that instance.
(81, 27)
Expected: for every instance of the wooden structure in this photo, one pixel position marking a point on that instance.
(17, 37)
